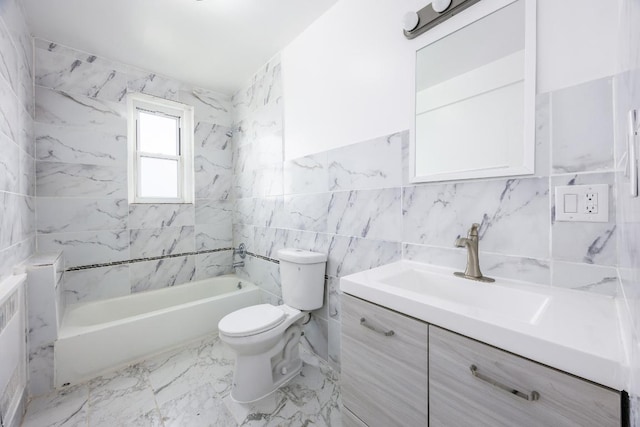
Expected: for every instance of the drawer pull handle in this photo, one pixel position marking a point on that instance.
(530, 397)
(364, 323)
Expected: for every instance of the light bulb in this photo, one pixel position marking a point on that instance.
(440, 5)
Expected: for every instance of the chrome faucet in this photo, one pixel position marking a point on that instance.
(238, 264)
(473, 263)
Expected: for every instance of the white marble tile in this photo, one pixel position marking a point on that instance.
(41, 370)
(307, 240)
(27, 178)
(149, 242)
(26, 136)
(266, 137)
(65, 214)
(264, 90)
(87, 247)
(81, 145)
(374, 214)
(8, 58)
(244, 183)
(9, 112)
(210, 184)
(67, 407)
(211, 159)
(84, 77)
(332, 299)
(55, 179)
(268, 240)
(176, 374)
(582, 127)
(14, 255)
(268, 181)
(123, 398)
(264, 274)
(96, 283)
(350, 254)
(197, 408)
(9, 165)
(590, 278)
(370, 164)
(65, 109)
(244, 211)
(437, 214)
(307, 212)
(149, 275)
(269, 212)
(543, 135)
(591, 243)
(213, 211)
(160, 215)
(214, 236)
(309, 174)
(243, 234)
(335, 331)
(152, 84)
(213, 264)
(211, 136)
(245, 158)
(209, 106)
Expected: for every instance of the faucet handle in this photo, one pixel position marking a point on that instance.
(473, 231)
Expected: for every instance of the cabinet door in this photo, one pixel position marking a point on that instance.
(497, 394)
(384, 375)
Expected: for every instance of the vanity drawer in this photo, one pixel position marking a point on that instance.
(457, 397)
(384, 376)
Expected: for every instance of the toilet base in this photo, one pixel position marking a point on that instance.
(257, 376)
(282, 382)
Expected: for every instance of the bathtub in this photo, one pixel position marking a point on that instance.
(96, 337)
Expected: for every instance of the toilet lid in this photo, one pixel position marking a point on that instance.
(251, 320)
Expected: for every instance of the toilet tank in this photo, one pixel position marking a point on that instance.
(302, 278)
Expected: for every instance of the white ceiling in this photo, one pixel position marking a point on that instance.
(214, 44)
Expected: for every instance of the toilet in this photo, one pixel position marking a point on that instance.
(265, 337)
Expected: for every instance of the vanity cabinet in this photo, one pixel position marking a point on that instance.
(384, 366)
(474, 384)
(399, 371)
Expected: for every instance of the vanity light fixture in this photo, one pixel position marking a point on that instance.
(431, 15)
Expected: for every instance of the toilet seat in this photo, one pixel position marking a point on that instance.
(251, 320)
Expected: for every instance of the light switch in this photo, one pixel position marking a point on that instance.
(571, 203)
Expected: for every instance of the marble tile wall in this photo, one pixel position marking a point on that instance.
(355, 203)
(17, 183)
(17, 166)
(81, 169)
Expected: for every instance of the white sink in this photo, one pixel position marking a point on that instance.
(493, 299)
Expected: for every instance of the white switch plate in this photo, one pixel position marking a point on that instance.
(589, 203)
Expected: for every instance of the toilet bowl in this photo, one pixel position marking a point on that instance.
(265, 337)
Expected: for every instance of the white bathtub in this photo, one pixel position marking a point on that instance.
(96, 337)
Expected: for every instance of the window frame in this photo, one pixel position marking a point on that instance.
(183, 113)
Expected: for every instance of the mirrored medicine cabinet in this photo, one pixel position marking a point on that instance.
(475, 94)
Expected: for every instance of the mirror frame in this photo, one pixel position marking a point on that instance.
(457, 22)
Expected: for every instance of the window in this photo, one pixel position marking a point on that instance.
(160, 144)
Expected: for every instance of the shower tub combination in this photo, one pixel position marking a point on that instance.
(96, 337)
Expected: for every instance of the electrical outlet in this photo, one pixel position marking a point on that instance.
(588, 203)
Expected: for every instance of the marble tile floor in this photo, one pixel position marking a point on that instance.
(189, 387)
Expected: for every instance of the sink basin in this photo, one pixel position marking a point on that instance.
(471, 296)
